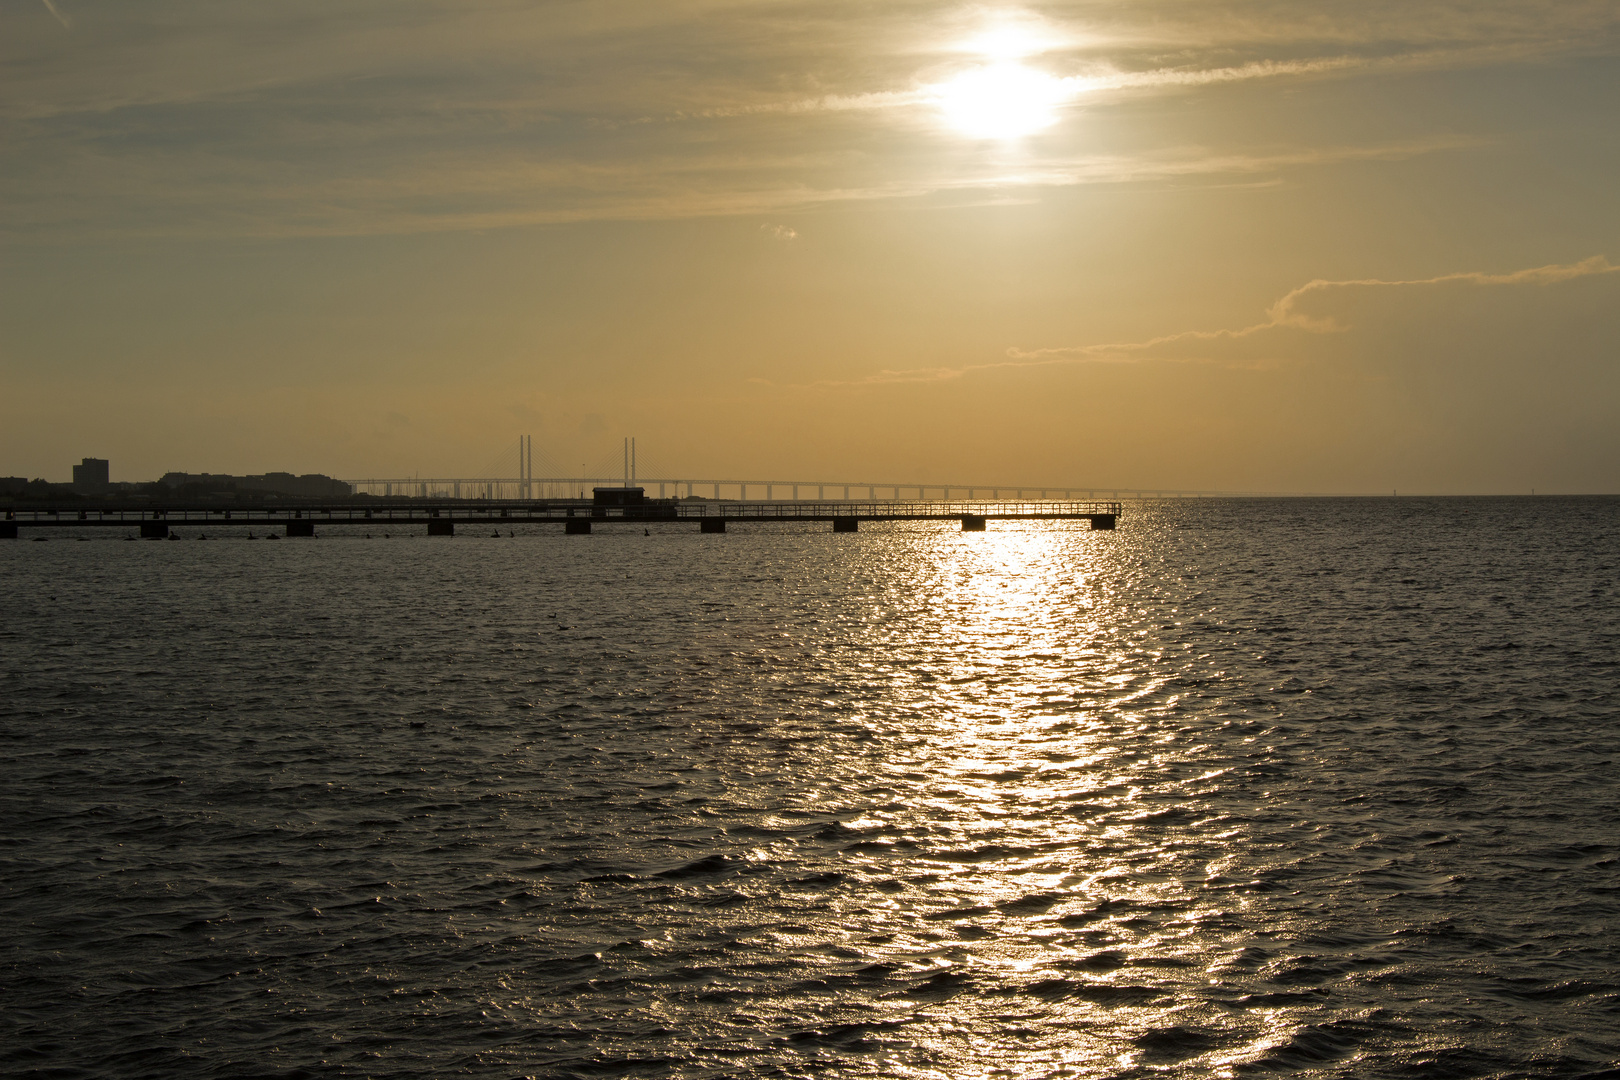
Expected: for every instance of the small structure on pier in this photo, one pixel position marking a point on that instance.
(618, 496)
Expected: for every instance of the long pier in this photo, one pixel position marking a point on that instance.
(576, 516)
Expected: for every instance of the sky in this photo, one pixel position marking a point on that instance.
(1341, 246)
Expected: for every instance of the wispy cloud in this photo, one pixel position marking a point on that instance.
(56, 13)
(1285, 312)
(1077, 87)
(185, 117)
(1283, 315)
(512, 189)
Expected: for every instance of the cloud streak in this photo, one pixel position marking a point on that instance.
(1078, 87)
(252, 198)
(181, 117)
(1285, 314)
(65, 20)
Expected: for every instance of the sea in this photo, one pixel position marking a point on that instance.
(1265, 787)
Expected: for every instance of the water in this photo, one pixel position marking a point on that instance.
(1322, 788)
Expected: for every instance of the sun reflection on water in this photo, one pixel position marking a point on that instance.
(1026, 800)
(1065, 878)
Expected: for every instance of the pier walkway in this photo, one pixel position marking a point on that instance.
(440, 517)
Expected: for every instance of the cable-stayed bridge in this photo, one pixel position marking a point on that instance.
(741, 490)
(496, 483)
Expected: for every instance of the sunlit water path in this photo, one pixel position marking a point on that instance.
(1320, 787)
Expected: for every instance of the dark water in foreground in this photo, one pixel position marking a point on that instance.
(1322, 788)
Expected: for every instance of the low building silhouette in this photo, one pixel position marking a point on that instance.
(21, 489)
(307, 486)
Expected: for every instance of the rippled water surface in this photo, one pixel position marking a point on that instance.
(1315, 787)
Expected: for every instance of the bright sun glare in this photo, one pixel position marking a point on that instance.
(1002, 101)
(1003, 98)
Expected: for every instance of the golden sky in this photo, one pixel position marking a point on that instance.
(1251, 245)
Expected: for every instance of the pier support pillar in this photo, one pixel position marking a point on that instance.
(8, 530)
(436, 527)
(712, 525)
(846, 524)
(1102, 521)
(154, 530)
(577, 527)
(305, 527)
(972, 523)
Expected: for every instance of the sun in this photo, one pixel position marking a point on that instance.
(1003, 96)
(1005, 100)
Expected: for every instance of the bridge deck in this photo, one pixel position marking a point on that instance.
(478, 512)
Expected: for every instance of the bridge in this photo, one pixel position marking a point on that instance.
(497, 483)
(440, 517)
(553, 488)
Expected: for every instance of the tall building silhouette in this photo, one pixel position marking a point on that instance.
(91, 478)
